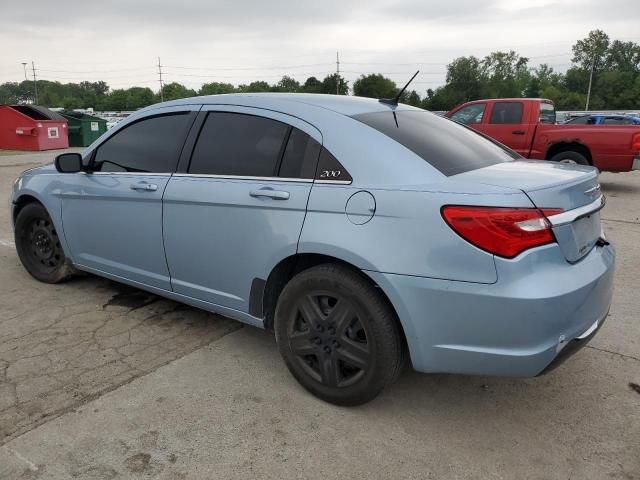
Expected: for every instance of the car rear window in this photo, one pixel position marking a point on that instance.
(447, 146)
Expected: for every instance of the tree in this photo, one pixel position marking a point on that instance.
(464, 79)
(374, 86)
(412, 98)
(591, 51)
(288, 84)
(216, 88)
(139, 97)
(331, 81)
(259, 86)
(623, 56)
(312, 85)
(505, 74)
(174, 91)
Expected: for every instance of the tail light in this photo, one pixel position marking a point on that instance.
(505, 232)
(635, 142)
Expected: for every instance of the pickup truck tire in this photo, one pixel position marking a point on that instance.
(570, 157)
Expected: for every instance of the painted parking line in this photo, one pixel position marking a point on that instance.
(6, 243)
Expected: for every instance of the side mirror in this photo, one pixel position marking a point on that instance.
(69, 163)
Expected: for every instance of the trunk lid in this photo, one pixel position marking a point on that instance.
(572, 188)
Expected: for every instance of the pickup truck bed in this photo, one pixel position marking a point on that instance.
(528, 127)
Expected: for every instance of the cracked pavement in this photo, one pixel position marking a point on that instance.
(99, 380)
(63, 345)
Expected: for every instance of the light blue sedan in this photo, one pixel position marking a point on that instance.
(365, 234)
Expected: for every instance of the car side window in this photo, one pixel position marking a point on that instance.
(580, 120)
(300, 156)
(469, 115)
(616, 121)
(238, 144)
(506, 112)
(151, 145)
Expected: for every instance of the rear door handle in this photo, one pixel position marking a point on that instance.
(144, 187)
(268, 192)
(518, 132)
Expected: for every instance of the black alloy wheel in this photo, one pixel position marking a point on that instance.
(338, 335)
(329, 339)
(39, 247)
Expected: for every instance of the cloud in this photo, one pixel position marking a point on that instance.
(245, 40)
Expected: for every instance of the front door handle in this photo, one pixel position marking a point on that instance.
(268, 192)
(518, 132)
(144, 187)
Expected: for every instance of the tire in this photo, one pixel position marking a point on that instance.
(337, 335)
(39, 247)
(570, 157)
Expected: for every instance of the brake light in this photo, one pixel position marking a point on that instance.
(635, 142)
(505, 232)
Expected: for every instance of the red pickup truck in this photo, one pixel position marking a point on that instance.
(528, 126)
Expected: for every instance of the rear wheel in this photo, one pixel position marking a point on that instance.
(337, 335)
(38, 245)
(570, 157)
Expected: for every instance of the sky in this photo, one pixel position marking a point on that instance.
(240, 41)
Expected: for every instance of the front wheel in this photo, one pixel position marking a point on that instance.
(338, 336)
(39, 247)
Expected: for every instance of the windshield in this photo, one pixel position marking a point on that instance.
(445, 145)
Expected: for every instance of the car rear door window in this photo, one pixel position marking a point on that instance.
(300, 156)
(506, 112)
(617, 121)
(469, 115)
(445, 145)
(237, 144)
(151, 145)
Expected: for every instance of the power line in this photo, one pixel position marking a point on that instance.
(227, 68)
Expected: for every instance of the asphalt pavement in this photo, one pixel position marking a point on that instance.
(102, 381)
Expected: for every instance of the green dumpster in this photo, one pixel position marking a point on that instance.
(83, 128)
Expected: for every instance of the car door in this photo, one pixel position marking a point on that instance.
(112, 214)
(238, 208)
(505, 124)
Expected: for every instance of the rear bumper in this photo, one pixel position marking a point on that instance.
(517, 326)
(574, 345)
(636, 164)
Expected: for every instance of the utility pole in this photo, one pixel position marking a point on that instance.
(593, 61)
(337, 73)
(35, 82)
(160, 77)
(24, 66)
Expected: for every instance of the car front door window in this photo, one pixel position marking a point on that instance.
(148, 146)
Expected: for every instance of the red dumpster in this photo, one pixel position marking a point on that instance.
(30, 127)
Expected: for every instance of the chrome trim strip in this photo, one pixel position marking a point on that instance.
(588, 331)
(573, 215)
(334, 182)
(239, 177)
(143, 174)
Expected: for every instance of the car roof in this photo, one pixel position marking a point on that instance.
(343, 104)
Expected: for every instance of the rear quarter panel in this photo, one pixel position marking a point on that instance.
(406, 235)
